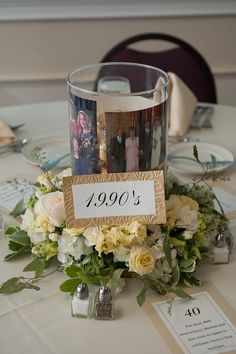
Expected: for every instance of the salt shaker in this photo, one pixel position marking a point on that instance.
(81, 305)
(221, 249)
(103, 308)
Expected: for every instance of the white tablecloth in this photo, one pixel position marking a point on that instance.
(40, 322)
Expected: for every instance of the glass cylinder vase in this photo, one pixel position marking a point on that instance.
(118, 118)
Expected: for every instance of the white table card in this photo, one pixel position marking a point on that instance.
(12, 193)
(114, 198)
(198, 325)
(206, 323)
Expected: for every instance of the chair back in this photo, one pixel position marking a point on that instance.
(184, 60)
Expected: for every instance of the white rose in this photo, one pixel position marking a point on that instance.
(28, 219)
(52, 206)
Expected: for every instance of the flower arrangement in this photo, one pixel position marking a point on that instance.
(161, 256)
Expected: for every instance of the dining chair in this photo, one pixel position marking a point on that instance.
(182, 59)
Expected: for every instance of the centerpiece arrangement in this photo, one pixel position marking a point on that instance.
(162, 256)
(123, 133)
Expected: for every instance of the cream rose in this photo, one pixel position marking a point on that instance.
(141, 260)
(51, 205)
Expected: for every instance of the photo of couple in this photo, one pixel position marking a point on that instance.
(136, 143)
(83, 131)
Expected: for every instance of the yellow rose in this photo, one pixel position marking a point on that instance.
(141, 260)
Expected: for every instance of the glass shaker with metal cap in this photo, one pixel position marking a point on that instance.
(221, 249)
(103, 308)
(81, 305)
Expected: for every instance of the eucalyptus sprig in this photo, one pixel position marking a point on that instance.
(17, 284)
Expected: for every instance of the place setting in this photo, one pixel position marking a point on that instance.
(212, 157)
(54, 150)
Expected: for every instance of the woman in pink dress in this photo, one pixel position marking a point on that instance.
(132, 151)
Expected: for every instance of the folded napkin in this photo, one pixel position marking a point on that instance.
(182, 104)
(6, 134)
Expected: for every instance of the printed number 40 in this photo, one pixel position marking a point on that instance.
(194, 311)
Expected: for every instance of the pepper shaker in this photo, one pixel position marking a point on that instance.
(221, 249)
(81, 305)
(103, 308)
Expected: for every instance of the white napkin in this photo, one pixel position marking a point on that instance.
(182, 104)
(6, 134)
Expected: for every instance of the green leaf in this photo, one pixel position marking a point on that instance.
(181, 293)
(142, 295)
(175, 275)
(213, 159)
(72, 271)
(32, 286)
(187, 265)
(179, 190)
(102, 280)
(70, 285)
(12, 285)
(19, 208)
(189, 280)
(37, 266)
(195, 153)
(196, 252)
(20, 237)
(13, 246)
(177, 242)
(159, 286)
(22, 250)
(167, 250)
(11, 230)
(115, 279)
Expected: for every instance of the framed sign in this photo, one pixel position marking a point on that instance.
(114, 198)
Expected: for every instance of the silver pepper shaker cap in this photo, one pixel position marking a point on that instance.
(220, 240)
(82, 291)
(104, 294)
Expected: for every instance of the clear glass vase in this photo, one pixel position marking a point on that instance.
(118, 118)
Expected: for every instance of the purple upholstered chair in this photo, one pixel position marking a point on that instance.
(182, 59)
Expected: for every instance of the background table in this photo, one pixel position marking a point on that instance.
(40, 322)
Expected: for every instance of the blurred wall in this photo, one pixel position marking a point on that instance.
(36, 56)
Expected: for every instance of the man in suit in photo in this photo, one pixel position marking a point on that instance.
(146, 147)
(117, 152)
